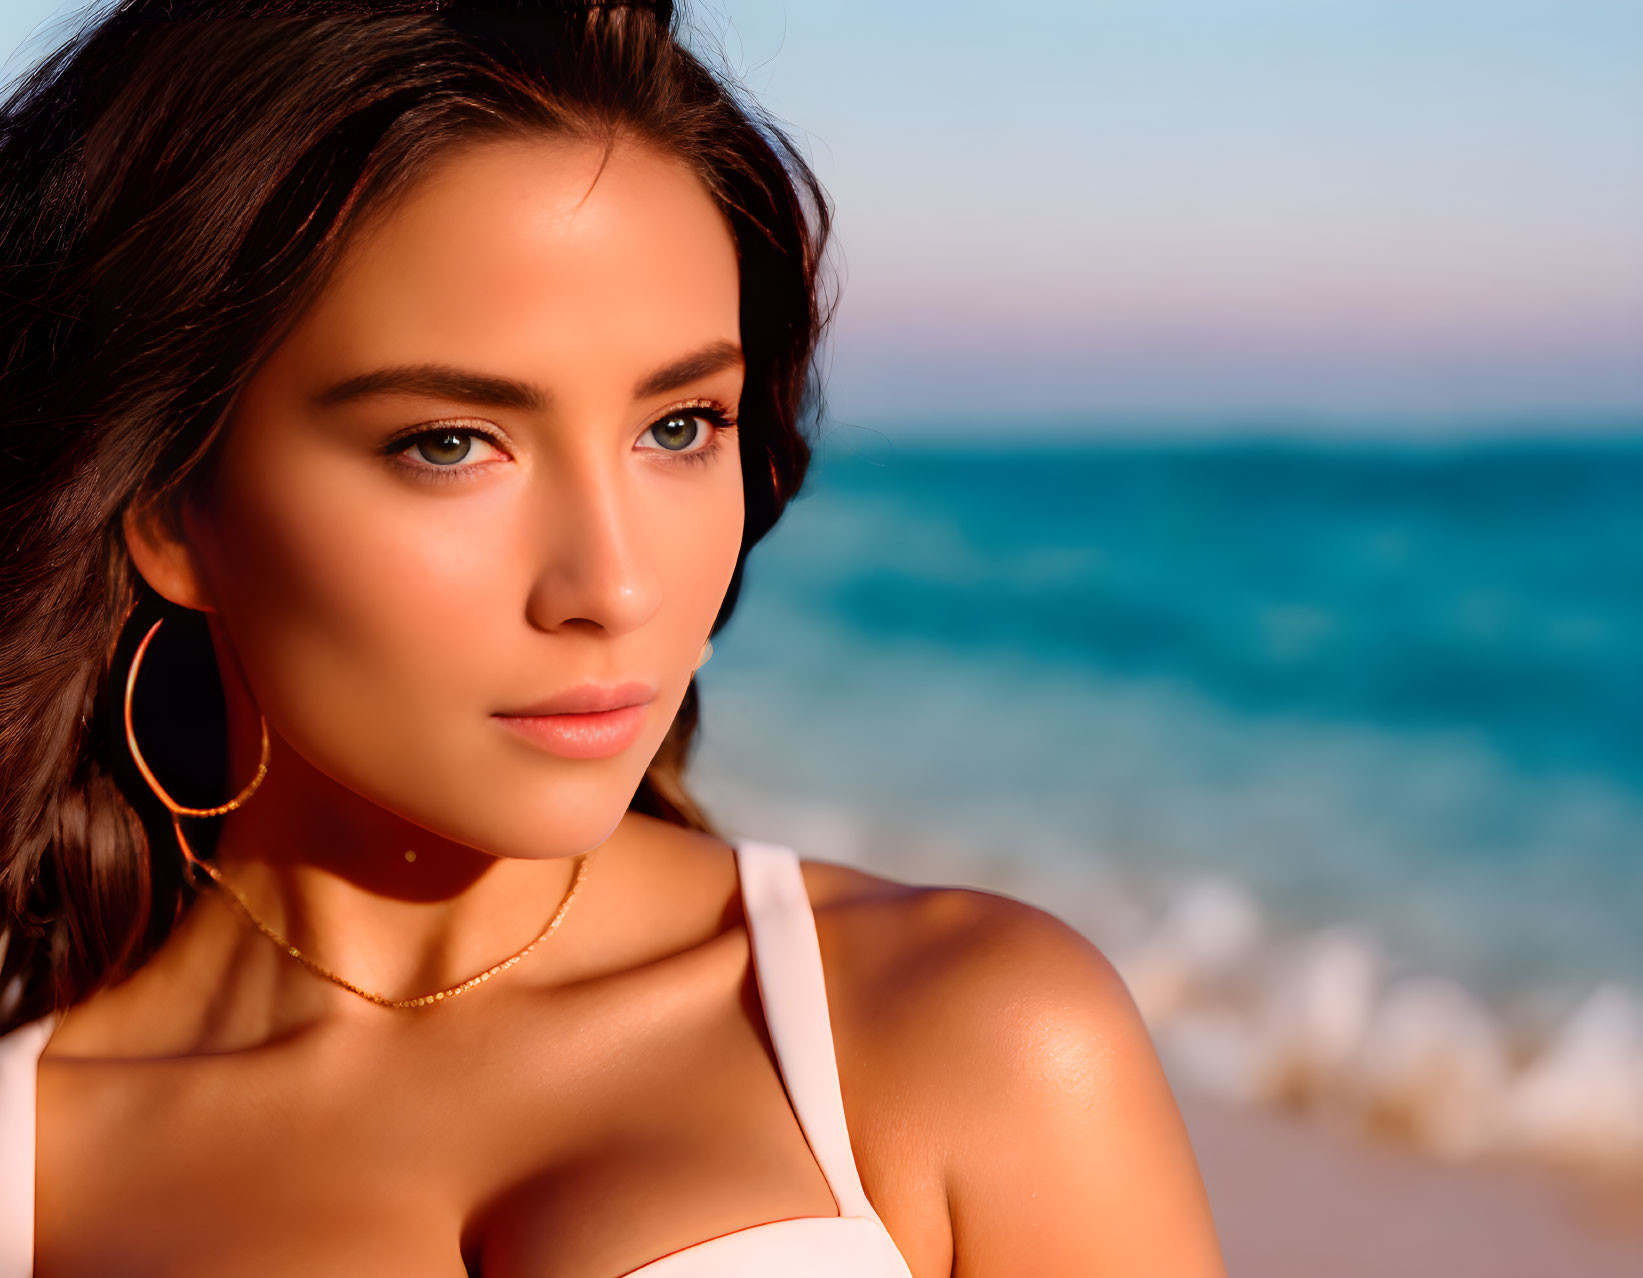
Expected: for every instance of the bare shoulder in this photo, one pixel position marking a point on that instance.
(956, 952)
(1014, 1050)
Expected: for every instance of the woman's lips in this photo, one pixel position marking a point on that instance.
(593, 735)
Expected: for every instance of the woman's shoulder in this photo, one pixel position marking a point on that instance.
(1005, 1041)
(925, 950)
(905, 953)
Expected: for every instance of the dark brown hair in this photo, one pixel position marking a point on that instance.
(177, 181)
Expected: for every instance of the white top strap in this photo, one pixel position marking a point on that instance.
(20, 1051)
(787, 965)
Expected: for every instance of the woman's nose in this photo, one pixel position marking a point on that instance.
(596, 561)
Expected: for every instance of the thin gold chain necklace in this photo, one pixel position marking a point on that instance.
(422, 1000)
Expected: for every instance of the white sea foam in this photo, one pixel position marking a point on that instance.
(1434, 1067)
(1581, 1100)
(1205, 936)
(1423, 1058)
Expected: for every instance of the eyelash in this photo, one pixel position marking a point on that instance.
(716, 415)
(721, 419)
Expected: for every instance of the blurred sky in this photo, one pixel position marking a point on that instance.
(1408, 213)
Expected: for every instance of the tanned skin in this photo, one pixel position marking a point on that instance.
(613, 1097)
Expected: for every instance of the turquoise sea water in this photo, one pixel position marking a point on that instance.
(1381, 683)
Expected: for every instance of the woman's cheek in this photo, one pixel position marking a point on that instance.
(705, 543)
(359, 613)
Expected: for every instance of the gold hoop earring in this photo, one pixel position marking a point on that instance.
(707, 653)
(177, 809)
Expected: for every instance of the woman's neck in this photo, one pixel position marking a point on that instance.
(330, 873)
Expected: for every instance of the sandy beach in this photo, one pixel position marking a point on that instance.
(1294, 1196)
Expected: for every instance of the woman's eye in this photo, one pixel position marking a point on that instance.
(444, 449)
(682, 432)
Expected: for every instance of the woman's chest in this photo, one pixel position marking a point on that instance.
(529, 1162)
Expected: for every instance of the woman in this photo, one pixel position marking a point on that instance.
(438, 365)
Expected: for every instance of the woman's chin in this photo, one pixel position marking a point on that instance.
(523, 826)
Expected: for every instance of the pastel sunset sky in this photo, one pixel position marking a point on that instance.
(1326, 212)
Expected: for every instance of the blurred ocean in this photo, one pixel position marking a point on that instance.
(1380, 695)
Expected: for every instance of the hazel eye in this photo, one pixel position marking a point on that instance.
(445, 448)
(680, 432)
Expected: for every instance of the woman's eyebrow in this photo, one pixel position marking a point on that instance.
(444, 381)
(681, 372)
(440, 381)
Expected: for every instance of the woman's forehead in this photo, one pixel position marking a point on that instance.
(551, 253)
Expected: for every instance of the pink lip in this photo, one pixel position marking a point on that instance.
(593, 721)
(589, 698)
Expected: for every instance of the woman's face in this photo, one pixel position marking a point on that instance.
(487, 468)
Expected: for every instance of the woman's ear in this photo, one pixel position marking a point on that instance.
(163, 556)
